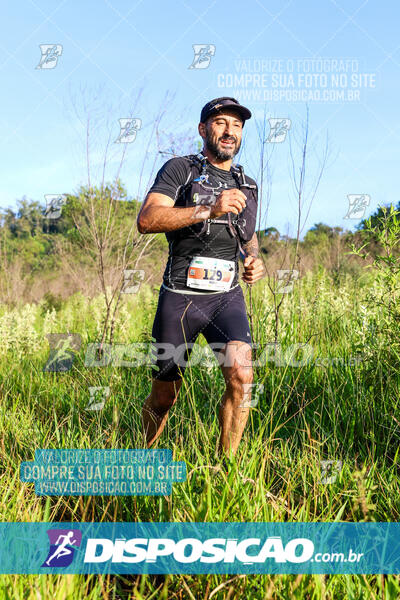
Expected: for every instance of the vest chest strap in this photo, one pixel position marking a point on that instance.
(226, 222)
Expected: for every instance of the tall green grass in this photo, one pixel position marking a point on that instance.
(331, 410)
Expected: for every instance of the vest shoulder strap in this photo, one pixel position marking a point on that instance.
(196, 160)
(238, 173)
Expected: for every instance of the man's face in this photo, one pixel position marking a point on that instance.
(222, 134)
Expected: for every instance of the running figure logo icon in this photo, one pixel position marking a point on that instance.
(54, 204)
(128, 130)
(50, 55)
(357, 205)
(61, 553)
(278, 130)
(202, 55)
(62, 347)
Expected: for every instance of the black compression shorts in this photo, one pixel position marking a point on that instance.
(180, 318)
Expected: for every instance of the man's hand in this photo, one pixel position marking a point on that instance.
(253, 269)
(232, 200)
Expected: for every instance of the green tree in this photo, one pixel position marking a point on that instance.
(378, 218)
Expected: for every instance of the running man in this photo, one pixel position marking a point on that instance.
(207, 208)
(62, 550)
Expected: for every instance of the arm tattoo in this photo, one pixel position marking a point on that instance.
(251, 247)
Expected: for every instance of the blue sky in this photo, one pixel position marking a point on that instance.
(119, 59)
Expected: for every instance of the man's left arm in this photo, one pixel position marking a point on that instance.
(253, 265)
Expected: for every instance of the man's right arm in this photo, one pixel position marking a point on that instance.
(158, 214)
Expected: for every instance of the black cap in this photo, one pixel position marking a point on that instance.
(214, 106)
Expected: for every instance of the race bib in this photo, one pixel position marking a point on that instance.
(212, 274)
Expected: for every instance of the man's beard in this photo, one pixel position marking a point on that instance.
(220, 153)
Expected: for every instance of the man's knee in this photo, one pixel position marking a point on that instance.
(239, 379)
(164, 395)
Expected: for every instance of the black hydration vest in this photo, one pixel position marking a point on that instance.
(193, 193)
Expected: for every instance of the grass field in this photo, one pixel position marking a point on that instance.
(342, 405)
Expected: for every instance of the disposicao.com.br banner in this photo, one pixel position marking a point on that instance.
(196, 548)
